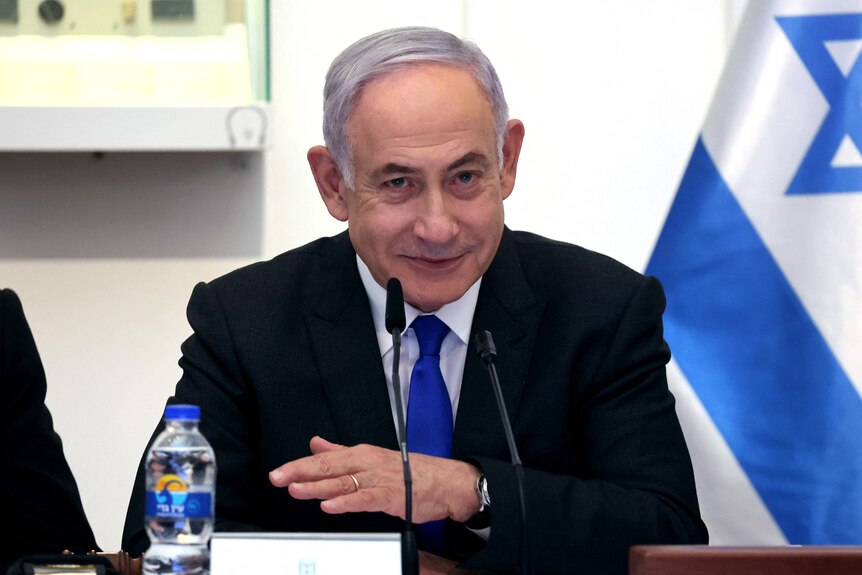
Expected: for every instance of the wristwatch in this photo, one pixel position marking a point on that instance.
(482, 492)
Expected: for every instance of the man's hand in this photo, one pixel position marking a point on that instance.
(441, 487)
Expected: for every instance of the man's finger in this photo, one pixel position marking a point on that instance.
(374, 499)
(320, 445)
(325, 488)
(329, 460)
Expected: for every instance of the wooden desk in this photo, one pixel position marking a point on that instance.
(705, 560)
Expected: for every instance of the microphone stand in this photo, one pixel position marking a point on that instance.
(487, 351)
(395, 323)
(409, 552)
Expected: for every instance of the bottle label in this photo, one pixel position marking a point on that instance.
(171, 498)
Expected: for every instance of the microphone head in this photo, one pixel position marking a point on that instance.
(395, 319)
(485, 347)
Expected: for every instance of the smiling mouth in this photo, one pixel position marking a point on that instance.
(434, 264)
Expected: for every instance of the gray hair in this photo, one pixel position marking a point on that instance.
(390, 50)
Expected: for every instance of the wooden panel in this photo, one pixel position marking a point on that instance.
(704, 560)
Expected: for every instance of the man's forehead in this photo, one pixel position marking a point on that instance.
(428, 117)
(432, 97)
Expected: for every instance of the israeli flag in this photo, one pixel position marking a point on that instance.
(761, 259)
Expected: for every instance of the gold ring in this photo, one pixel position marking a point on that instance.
(355, 481)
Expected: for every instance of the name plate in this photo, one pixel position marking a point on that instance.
(305, 553)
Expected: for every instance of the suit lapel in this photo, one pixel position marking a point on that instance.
(508, 309)
(341, 331)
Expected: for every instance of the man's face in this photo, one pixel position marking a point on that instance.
(427, 203)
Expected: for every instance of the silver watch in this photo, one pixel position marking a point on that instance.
(482, 492)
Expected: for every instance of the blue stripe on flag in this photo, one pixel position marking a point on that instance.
(758, 363)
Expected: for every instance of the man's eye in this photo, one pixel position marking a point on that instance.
(466, 177)
(397, 183)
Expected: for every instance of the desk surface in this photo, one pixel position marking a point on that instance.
(706, 560)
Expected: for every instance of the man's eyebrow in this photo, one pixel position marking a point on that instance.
(468, 158)
(392, 168)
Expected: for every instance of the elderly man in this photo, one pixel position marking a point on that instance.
(290, 358)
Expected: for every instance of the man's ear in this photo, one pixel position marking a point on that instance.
(329, 182)
(511, 152)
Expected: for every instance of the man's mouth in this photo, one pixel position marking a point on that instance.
(435, 263)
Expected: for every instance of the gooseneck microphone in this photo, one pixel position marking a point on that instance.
(487, 352)
(395, 324)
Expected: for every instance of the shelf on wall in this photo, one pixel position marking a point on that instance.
(102, 79)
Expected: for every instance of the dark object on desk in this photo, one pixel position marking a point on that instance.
(40, 505)
(60, 563)
(704, 560)
(125, 564)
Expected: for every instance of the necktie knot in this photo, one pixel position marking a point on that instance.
(430, 332)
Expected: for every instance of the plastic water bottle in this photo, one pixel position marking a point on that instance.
(180, 503)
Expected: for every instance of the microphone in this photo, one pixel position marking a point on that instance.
(395, 324)
(487, 352)
(395, 319)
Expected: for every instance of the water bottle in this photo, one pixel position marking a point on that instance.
(180, 502)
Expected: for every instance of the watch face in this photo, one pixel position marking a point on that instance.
(482, 492)
(483, 486)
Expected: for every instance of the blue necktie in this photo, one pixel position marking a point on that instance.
(429, 413)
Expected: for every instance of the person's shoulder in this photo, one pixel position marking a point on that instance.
(291, 263)
(10, 305)
(571, 276)
(9, 298)
(567, 259)
(291, 276)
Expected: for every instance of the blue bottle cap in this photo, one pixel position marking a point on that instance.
(183, 412)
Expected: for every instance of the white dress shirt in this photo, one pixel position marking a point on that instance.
(458, 316)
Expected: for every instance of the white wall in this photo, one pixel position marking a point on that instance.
(104, 251)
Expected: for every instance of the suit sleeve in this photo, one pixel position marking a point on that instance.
(634, 484)
(39, 495)
(213, 379)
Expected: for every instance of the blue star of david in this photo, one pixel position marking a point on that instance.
(808, 35)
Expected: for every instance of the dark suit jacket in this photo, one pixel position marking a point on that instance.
(286, 349)
(39, 500)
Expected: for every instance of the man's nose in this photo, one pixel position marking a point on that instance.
(436, 221)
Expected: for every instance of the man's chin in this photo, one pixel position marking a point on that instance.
(429, 300)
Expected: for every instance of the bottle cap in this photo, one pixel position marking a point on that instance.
(183, 412)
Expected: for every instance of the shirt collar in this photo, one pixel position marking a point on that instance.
(458, 315)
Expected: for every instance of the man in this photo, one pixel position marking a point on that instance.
(39, 500)
(286, 355)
